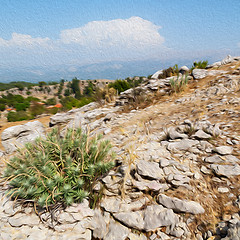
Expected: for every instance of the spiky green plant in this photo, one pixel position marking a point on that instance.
(58, 169)
(179, 84)
(199, 64)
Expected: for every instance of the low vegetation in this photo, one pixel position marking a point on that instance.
(58, 170)
(179, 84)
(200, 65)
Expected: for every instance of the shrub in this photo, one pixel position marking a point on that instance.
(22, 106)
(200, 64)
(179, 84)
(17, 116)
(120, 85)
(2, 106)
(36, 109)
(58, 169)
(51, 101)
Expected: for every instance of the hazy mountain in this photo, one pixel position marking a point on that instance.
(106, 70)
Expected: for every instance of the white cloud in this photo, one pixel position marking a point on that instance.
(24, 41)
(97, 41)
(131, 32)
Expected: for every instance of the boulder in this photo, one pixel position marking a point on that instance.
(18, 136)
(63, 118)
(184, 70)
(156, 216)
(179, 205)
(223, 150)
(156, 74)
(173, 134)
(199, 73)
(149, 170)
(228, 59)
(116, 231)
(200, 134)
(226, 170)
(182, 145)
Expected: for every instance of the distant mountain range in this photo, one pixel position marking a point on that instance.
(106, 70)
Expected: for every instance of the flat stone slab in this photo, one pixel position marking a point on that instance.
(226, 170)
(150, 170)
(224, 150)
(179, 205)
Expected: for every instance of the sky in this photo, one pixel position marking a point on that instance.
(50, 40)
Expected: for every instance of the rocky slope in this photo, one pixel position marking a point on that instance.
(177, 174)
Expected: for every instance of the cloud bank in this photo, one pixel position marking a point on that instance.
(97, 41)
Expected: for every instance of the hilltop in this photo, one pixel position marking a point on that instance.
(176, 176)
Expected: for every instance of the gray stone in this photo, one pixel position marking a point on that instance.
(205, 170)
(66, 218)
(63, 118)
(184, 70)
(173, 134)
(226, 170)
(184, 144)
(22, 219)
(179, 205)
(133, 236)
(199, 73)
(156, 74)
(116, 231)
(224, 150)
(149, 169)
(99, 224)
(150, 185)
(200, 134)
(111, 204)
(18, 136)
(228, 59)
(131, 219)
(214, 159)
(223, 190)
(156, 216)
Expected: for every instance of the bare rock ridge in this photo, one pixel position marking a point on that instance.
(178, 165)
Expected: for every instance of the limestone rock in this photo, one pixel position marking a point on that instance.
(173, 134)
(184, 70)
(214, 159)
(99, 224)
(22, 219)
(182, 145)
(131, 219)
(18, 136)
(199, 73)
(156, 216)
(224, 150)
(116, 231)
(149, 169)
(228, 59)
(200, 134)
(226, 170)
(179, 205)
(156, 74)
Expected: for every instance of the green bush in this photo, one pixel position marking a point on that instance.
(120, 85)
(2, 106)
(200, 64)
(17, 116)
(51, 101)
(58, 169)
(22, 106)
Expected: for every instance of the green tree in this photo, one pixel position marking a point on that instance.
(75, 88)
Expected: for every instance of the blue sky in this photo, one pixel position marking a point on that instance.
(44, 37)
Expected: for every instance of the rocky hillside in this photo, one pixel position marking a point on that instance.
(177, 170)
